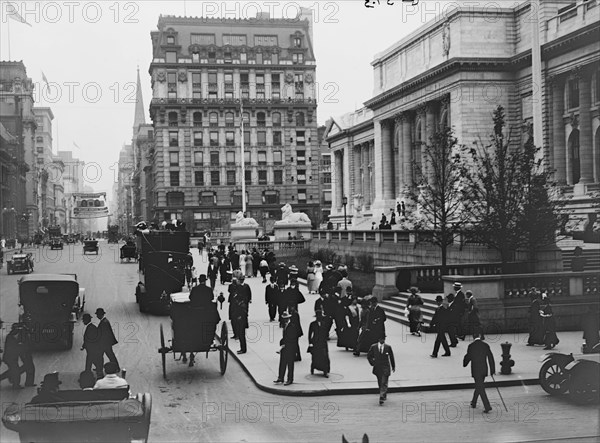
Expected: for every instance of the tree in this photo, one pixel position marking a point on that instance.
(510, 203)
(438, 189)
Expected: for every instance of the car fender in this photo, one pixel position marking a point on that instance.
(563, 359)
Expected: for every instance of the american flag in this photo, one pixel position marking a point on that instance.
(14, 14)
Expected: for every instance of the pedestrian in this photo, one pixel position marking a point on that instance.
(550, 337)
(479, 355)
(140, 292)
(345, 284)
(106, 336)
(310, 277)
(473, 320)
(317, 345)
(440, 321)
(461, 309)
(392, 217)
(453, 320)
(590, 326)
(256, 259)
(295, 320)
(234, 258)
(536, 323)
(263, 267)
(318, 275)
(399, 209)
(287, 350)
(377, 320)
(415, 317)
(282, 275)
(381, 358)
(292, 296)
(349, 334)
(212, 271)
(91, 344)
(248, 266)
(271, 293)
(240, 304)
(11, 357)
(188, 275)
(403, 207)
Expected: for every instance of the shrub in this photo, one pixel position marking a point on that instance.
(349, 260)
(326, 256)
(365, 263)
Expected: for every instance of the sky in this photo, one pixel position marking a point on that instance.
(89, 52)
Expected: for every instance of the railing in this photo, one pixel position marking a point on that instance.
(281, 247)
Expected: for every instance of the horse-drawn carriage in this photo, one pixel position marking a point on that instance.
(77, 415)
(129, 251)
(90, 246)
(194, 330)
(580, 376)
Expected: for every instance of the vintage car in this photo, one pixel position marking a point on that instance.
(50, 305)
(90, 246)
(19, 263)
(76, 415)
(129, 251)
(56, 243)
(579, 375)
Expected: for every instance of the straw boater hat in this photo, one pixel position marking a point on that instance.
(457, 284)
(286, 315)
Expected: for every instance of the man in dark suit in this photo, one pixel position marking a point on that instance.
(453, 319)
(461, 308)
(282, 275)
(106, 336)
(440, 321)
(91, 344)
(240, 299)
(288, 350)
(479, 355)
(381, 357)
(377, 320)
(212, 271)
(234, 258)
(271, 293)
(201, 294)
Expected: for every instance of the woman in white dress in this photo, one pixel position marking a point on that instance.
(242, 262)
(318, 275)
(310, 277)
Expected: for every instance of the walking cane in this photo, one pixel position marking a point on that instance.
(497, 389)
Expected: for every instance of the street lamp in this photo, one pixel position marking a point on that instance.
(344, 203)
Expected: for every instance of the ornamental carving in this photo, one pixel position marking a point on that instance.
(289, 77)
(574, 120)
(182, 76)
(161, 76)
(308, 78)
(446, 39)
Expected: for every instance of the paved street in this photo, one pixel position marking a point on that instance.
(198, 404)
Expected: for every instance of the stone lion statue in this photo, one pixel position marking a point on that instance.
(240, 220)
(289, 216)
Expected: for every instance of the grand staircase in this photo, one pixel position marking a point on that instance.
(590, 252)
(394, 308)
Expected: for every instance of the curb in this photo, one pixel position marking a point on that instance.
(375, 390)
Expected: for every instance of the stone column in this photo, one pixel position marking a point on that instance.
(585, 128)
(356, 154)
(366, 150)
(559, 150)
(406, 149)
(339, 179)
(430, 129)
(423, 135)
(387, 158)
(399, 178)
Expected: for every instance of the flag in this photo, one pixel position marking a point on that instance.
(14, 14)
(45, 79)
(76, 145)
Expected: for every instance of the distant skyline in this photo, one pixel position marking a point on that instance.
(90, 52)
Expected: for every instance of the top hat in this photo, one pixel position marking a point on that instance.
(202, 278)
(457, 284)
(51, 379)
(100, 311)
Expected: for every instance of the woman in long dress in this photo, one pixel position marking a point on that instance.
(317, 341)
(249, 266)
(536, 322)
(349, 333)
(414, 304)
(550, 337)
(242, 262)
(318, 274)
(310, 277)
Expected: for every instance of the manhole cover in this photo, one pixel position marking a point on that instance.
(318, 376)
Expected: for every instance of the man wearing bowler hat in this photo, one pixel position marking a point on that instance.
(288, 350)
(49, 390)
(106, 337)
(381, 357)
(91, 344)
(201, 295)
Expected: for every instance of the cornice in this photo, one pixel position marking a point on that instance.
(230, 66)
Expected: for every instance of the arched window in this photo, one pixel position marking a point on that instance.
(197, 118)
(213, 119)
(173, 118)
(299, 119)
(276, 119)
(260, 119)
(246, 118)
(229, 121)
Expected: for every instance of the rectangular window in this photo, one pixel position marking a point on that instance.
(271, 197)
(214, 158)
(248, 177)
(198, 158)
(301, 157)
(301, 195)
(234, 39)
(247, 138)
(214, 138)
(197, 138)
(573, 93)
(196, 85)
(202, 39)
(278, 177)
(327, 197)
(199, 178)
(326, 178)
(297, 42)
(259, 58)
(277, 158)
(299, 138)
(262, 157)
(229, 138)
(301, 176)
(174, 178)
(231, 178)
(277, 138)
(172, 85)
(174, 158)
(215, 178)
(262, 177)
(261, 138)
(230, 157)
(173, 138)
(265, 40)
(297, 59)
(171, 56)
(243, 57)
(207, 198)
(40, 149)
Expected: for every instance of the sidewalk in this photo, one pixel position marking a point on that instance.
(415, 369)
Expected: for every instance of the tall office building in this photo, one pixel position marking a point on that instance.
(208, 74)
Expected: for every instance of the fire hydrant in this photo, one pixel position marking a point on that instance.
(507, 363)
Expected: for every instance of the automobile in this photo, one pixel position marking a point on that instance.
(579, 375)
(50, 305)
(56, 243)
(20, 263)
(90, 246)
(78, 415)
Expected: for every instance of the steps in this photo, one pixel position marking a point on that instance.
(592, 259)
(394, 308)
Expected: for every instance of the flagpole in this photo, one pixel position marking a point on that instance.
(8, 37)
(243, 157)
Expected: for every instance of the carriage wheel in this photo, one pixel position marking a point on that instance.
(553, 378)
(163, 351)
(584, 382)
(224, 348)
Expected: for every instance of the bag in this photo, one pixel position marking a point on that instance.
(406, 311)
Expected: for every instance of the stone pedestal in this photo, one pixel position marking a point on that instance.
(282, 229)
(243, 232)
